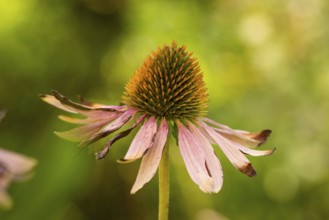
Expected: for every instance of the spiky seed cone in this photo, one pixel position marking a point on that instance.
(169, 84)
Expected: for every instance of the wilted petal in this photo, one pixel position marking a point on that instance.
(212, 161)
(231, 151)
(74, 120)
(97, 115)
(151, 159)
(243, 137)
(112, 127)
(53, 101)
(194, 158)
(259, 137)
(253, 152)
(101, 154)
(82, 133)
(60, 101)
(142, 141)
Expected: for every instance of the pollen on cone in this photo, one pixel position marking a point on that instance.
(169, 84)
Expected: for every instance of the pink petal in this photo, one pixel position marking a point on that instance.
(194, 158)
(101, 113)
(212, 162)
(96, 130)
(151, 159)
(82, 133)
(231, 151)
(243, 137)
(97, 116)
(101, 154)
(119, 122)
(15, 163)
(142, 141)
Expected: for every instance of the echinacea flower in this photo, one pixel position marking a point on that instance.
(13, 167)
(166, 91)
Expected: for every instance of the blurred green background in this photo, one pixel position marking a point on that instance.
(265, 65)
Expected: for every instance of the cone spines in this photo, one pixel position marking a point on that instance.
(169, 84)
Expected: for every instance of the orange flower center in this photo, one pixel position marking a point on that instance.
(169, 84)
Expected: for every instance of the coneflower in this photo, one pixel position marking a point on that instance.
(166, 95)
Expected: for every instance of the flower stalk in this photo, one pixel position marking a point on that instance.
(164, 182)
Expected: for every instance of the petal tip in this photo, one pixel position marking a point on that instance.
(101, 154)
(248, 169)
(272, 151)
(262, 136)
(123, 160)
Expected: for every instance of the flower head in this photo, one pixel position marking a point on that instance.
(13, 167)
(166, 91)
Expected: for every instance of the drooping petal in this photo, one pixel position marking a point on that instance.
(53, 101)
(82, 133)
(93, 116)
(101, 154)
(74, 120)
(151, 159)
(259, 137)
(62, 102)
(97, 129)
(245, 138)
(142, 141)
(194, 158)
(231, 151)
(253, 152)
(112, 127)
(212, 162)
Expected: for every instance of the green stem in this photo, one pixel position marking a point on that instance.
(164, 183)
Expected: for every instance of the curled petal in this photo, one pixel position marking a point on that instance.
(259, 137)
(74, 120)
(96, 115)
(252, 152)
(231, 151)
(112, 127)
(82, 133)
(95, 130)
(212, 162)
(142, 141)
(61, 102)
(53, 101)
(151, 159)
(101, 154)
(194, 158)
